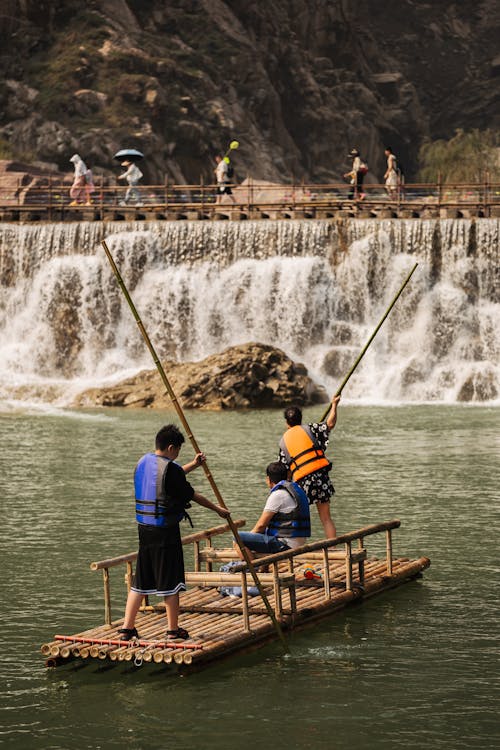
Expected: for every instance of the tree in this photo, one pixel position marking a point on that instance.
(467, 157)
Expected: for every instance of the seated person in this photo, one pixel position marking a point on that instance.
(285, 521)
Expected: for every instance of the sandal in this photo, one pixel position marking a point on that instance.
(128, 633)
(179, 634)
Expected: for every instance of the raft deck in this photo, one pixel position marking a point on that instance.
(302, 586)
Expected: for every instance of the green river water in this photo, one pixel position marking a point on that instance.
(414, 668)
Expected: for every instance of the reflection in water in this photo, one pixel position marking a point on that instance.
(412, 668)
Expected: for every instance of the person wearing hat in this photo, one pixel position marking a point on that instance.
(78, 192)
(356, 175)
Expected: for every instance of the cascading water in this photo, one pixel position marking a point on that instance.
(313, 288)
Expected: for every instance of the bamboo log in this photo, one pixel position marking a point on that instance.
(389, 551)
(259, 631)
(107, 597)
(211, 553)
(117, 642)
(230, 579)
(244, 603)
(348, 567)
(326, 573)
(333, 555)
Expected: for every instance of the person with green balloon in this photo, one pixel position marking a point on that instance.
(224, 173)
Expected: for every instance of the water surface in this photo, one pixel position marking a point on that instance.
(412, 668)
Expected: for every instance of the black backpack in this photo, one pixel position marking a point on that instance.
(230, 171)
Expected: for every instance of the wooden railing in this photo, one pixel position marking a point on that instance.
(323, 551)
(53, 200)
(104, 565)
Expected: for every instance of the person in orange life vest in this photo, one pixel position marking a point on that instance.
(162, 495)
(302, 450)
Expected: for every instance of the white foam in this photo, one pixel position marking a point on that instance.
(65, 326)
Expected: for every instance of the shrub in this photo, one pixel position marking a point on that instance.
(467, 157)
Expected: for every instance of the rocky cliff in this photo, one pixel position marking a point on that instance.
(297, 82)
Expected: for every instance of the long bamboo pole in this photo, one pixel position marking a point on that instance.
(360, 357)
(194, 442)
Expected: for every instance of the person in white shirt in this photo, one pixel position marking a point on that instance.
(285, 522)
(133, 174)
(222, 179)
(391, 173)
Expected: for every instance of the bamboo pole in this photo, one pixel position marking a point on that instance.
(194, 442)
(326, 573)
(348, 567)
(360, 357)
(389, 551)
(107, 597)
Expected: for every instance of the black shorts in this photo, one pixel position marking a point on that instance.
(160, 562)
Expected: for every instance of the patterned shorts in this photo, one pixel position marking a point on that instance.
(318, 487)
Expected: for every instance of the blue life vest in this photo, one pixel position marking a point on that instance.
(298, 521)
(153, 507)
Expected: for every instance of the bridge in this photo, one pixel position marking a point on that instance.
(250, 200)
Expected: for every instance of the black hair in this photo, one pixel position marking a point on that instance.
(293, 416)
(388, 148)
(169, 435)
(276, 471)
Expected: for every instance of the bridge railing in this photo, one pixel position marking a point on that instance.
(250, 194)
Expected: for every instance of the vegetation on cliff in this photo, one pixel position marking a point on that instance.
(466, 157)
(298, 83)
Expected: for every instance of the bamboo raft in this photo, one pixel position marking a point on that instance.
(303, 586)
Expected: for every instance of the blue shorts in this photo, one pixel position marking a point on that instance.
(262, 542)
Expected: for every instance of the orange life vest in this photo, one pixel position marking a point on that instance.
(302, 454)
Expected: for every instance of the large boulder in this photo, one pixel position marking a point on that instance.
(246, 376)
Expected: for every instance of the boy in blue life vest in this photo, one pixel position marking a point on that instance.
(302, 451)
(162, 495)
(285, 522)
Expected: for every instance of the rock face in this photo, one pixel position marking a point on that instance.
(297, 83)
(242, 377)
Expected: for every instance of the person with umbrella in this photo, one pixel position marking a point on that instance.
(132, 174)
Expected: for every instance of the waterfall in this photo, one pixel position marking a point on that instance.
(313, 288)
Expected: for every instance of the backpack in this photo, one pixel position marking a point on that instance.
(363, 168)
(400, 169)
(235, 590)
(230, 171)
(89, 178)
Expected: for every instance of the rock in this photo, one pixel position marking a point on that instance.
(480, 386)
(338, 361)
(242, 377)
(87, 102)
